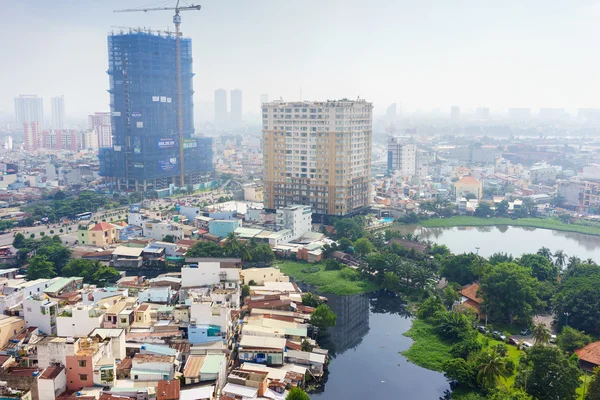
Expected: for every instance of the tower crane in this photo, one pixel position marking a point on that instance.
(177, 22)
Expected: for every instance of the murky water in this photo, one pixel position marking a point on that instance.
(515, 240)
(365, 345)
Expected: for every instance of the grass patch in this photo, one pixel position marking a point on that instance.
(341, 282)
(542, 223)
(428, 350)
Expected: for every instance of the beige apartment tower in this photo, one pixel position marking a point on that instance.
(318, 154)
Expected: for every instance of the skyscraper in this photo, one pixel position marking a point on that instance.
(29, 109)
(391, 112)
(99, 122)
(236, 106)
(57, 106)
(220, 106)
(454, 113)
(401, 157)
(483, 113)
(318, 154)
(145, 153)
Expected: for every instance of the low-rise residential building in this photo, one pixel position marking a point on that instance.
(155, 295)
(101, 234)
(223, 227)
(10, 326)
(52, 382)
(205, 368)
(92, 364)
(41, 312)
(261, 350)
(151, 367)
(468, 185)
(78, 320)
(262, 275)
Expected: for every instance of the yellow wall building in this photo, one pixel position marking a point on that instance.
(466, 185)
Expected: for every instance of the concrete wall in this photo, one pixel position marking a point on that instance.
(79, 325)
(76, 373)
(50, 389)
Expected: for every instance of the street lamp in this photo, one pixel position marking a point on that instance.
(567, 318)
(477, 249)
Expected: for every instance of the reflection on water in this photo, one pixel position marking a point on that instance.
(352, 322)
(367, 341)
(515, 240)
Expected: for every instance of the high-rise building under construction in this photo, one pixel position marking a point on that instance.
(145, 152)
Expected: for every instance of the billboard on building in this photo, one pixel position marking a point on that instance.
(134, 208)
(168, 165)
(137, 145)
(166, 143)
(190, 143)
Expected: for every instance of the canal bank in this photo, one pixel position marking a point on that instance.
(366, 346)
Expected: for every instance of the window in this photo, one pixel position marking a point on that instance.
(82, 363)
(83, 377)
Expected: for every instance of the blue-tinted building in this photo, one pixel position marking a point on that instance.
(143, 99)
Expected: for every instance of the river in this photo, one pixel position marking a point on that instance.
(515, 240)
(365, 346)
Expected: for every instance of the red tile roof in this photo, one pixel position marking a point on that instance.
(468, 180)
(470, 292)
(168, 390)
(590, 353)
(51, 372)
(102, 226)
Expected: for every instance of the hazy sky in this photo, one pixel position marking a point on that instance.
(425, 54)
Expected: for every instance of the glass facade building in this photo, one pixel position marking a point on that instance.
(145, 152)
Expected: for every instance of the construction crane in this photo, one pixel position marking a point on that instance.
(177, 22)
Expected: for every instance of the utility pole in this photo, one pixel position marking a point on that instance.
(177, 22)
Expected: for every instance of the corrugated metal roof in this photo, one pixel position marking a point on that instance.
(212, 364)
(193, 365)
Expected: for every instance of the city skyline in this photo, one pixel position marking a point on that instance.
(493, 55)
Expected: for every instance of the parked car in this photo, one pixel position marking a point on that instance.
(526, 332)
(498, 335)
(482, 329)
(553, 339)
(526, 345)
(514, 341)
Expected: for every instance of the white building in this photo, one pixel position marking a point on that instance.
(78, 321)
(210, 313)
(317, 154)
(55, 350)
(159, 229)
(8, 143)
(40, 311)
(117, 337)
(208, 273)
(57, 106)
(155, 295)
(402, 157)
(100, 123)
(52, 383)
(29, 109)
(297, 218)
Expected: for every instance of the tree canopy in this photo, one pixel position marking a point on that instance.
(40, 267)
(205, 249)
(510, 293)
(579, 297)
(322, 317)
(547, 373)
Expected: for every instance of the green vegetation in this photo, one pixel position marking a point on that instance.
(342, 282)
(323, 318)
(428, 350)
(60, 205)
(543, 223)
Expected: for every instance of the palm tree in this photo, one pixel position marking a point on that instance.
(541, 334)
(234, 247)
(544, 251)
(573, 262)
(490, 367)
(559, 258)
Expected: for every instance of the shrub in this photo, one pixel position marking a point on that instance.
(349, 274)
(52, 231)
(311, 270)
